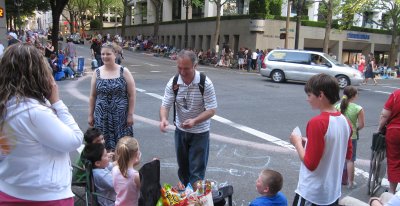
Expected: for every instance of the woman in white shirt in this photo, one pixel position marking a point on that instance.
(37, 132)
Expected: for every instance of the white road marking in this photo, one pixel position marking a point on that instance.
(155, 71)
(392, 87)
(152, 65)
(135, 65)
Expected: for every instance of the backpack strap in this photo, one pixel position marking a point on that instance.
(202, 83)
(175, 88)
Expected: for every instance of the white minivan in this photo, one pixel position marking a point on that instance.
(300, 65)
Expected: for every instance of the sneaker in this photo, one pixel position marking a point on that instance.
(72, 76)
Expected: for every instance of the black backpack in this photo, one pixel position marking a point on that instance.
(175, 88)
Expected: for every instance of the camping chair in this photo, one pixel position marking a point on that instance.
(78, 185)
(223, 193)
(90, 191)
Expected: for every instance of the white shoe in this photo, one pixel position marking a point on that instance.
(72, 76)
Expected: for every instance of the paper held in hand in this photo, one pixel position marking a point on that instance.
(297, 132)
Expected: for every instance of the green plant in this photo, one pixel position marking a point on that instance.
(259, 9)
(95, 24)
(275, 7)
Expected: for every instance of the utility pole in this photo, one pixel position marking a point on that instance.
(287, 24)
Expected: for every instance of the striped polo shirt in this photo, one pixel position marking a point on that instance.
(195, 102)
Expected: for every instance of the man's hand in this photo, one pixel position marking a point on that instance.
(163, 125)
(189, 123)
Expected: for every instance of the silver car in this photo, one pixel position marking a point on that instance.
(299, 65)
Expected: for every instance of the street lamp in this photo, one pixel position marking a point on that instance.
(186, 3)
(18, 3)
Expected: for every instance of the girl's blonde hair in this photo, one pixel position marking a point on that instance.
(24, 73)
(127, 149)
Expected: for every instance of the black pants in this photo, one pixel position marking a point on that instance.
(300, 201)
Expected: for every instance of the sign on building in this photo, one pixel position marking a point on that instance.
(1, 12)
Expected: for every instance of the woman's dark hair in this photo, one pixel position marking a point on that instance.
(348, 93)
(323, 83)
(91, 134)
(93, 153)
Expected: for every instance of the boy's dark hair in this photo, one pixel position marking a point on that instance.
(273, 180)
(93, 153)
(91, 134)
(323, 83)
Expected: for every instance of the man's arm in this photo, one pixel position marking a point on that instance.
(164, 112)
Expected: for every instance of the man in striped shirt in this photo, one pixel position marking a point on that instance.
(193, 113)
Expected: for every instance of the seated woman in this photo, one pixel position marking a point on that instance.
(66, 68)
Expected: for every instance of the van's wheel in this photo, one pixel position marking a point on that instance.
(277, 76)
(343, 81)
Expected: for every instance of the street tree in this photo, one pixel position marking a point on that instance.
(26, 9)
(57, 7)
(73, 12)
(391, 22)
(83, 6)
(101, 6)
(125, 10)
(343, 11)
(158, 4)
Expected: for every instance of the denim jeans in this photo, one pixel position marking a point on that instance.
(192, 155)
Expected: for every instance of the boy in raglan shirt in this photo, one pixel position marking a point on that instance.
(327, 146)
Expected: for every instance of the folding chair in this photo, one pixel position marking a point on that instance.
(90, 192)
(223, 193)
(77, 183)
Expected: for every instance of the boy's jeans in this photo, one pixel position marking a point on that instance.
(192, 155)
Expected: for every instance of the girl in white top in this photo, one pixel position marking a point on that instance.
(126, 180)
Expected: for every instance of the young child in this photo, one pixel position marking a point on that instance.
(269, 184)
(355, 114)
(126, 179)
(327, 146)
(97, 155)
(91, 136)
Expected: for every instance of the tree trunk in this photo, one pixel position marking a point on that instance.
(101, 16)
(57, 6)
(157, 4)
(328, 26)
(71, 22)
(300, 4)
(217, 24)
(393, 46)
(124, 14)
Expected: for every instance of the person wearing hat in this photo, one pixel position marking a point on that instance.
(12, 38)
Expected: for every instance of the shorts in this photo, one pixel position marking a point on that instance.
(241, 61)
(354, 143)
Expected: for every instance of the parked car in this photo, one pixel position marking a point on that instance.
(300, 65)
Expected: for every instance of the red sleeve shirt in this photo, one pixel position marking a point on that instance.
(316, 131)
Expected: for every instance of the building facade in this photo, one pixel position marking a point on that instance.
(240, 31)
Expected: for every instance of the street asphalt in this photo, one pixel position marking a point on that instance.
(250, 131)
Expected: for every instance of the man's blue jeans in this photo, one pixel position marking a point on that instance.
(192, 155)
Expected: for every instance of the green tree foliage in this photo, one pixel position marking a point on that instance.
(259, 9)
(275, 7)
(26, 9)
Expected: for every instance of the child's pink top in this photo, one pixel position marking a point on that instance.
(126, 188)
